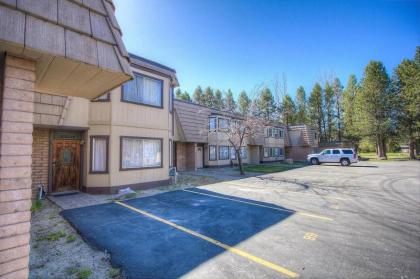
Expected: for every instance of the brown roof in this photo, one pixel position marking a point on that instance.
(193, 119)
(300, 135)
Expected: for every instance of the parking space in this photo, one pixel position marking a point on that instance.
(313, 222)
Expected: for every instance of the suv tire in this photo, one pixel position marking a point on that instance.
(314, 161)
(345, 162)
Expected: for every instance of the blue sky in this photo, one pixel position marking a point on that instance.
(239, 44)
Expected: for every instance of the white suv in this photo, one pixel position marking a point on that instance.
(344, 156)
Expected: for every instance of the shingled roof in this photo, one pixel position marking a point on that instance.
(67, 38)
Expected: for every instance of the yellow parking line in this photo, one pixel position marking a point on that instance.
(233, 250)
(266, 206)
(290, 192)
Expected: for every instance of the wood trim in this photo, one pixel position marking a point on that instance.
(143, 104)
(134, 186)
(215, 146)
(141, 138)
(91, 154)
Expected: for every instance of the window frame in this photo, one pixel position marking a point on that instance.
(232, 151)
(143, 104)
(215, 149)
(246, 153)
(215, 124)
(228, 152)
(171, 99)
(219, 126)
(91, 171)
(141, 138)
(268, 152)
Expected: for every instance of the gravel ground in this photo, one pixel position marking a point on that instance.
(58, 251)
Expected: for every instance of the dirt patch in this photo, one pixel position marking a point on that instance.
(57, 250)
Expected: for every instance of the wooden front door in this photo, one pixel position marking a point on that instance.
(65, 165)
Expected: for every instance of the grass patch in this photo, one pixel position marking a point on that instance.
(71, 238)
(36, 205)
(270, 168)
(84, 273)
(113, 272)
(397, 156)
(54, 236)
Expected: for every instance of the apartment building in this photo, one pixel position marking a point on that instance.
(120, 139)
(301, 140)
(200, 139)
(58, 47)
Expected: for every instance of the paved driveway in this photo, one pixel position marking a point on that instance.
(315, 222)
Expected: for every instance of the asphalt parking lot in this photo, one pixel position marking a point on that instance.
(321, 221)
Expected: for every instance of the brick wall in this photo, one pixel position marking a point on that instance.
(298, 153)
(40, 147)
(15, 165)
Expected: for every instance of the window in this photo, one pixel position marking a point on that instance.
(212, 153)
(143, 90)
(137, 153)
(99, 154)
(103, 98)
(276, 152)
(266, 152)
(212, 124)
(347, 151)
(280, 151)
(171, 99)
(335, 151)
(232, 153)
(326, 152)
(281, 133)
(274, 133)
(223, 152)
(223, 124)
(244, 152)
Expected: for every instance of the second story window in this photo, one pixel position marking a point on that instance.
(223, 124)
(171, 99)
(143, 90)
(212, 124)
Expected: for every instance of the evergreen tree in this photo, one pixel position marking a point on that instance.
(244, 103)
(209, 99)
(198, 96)
(348, 111)
(230, 104)
(178, 94)
(289, 110)
(329, 110)
(338, 95)
(218, 100)
(301, 105)
(373, 106)
(185, 96)
(265, 104)
(407, 89)
(316, 114)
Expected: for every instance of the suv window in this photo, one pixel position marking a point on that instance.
(326, 152)
(336, 151)
(347, 151)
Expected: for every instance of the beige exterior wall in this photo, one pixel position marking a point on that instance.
(116, 119)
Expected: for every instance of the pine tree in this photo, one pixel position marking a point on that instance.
(348, 111)
(178, 94)
(209, 99)
(244, 103)
(218, 100)
(316, 114)
(289, 110)
(301, 106)
(198, 96)
(338, 95)
(230, 104)
(373, 106)
(407, 90)
(185, 96)
(329, 110)
(265, 104)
